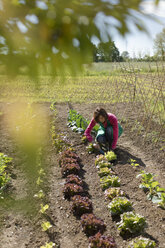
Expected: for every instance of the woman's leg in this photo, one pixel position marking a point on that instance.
(101, 139)
(109, 135)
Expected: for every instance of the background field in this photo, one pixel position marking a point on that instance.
(138, 86)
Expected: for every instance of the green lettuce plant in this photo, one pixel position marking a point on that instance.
(131, 223)
(110, 156)
(109, 181)
(105, 172)
(119, 205)
(113, 192)
(142, 243)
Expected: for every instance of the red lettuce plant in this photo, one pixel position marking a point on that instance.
(91, 224)
(100, 241)
(65, 161)
(69, 154)
(81, 205)
(71, 189)
(74, 179)
(70, 169)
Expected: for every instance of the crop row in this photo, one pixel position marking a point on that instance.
(120, 206)
(81, 205)
(4, 175)
(155, 193)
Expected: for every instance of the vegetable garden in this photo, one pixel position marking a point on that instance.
(62, 193)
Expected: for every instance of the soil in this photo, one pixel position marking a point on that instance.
(19, 229)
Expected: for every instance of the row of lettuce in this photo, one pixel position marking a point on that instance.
(81, 204)
(120, 206)
(5, 177)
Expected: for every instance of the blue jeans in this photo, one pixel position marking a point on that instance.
(107, 137)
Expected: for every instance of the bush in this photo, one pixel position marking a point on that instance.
(70, 169)
(100, 241)
(91, 224)
(81, 205)
(113, 192)
(109, 181)
(74, 179)
(119, 205)
(131, 223)
(71, 189)
(142, 243)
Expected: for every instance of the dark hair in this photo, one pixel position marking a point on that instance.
(98, 112)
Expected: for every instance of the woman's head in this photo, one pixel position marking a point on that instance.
(100, 115)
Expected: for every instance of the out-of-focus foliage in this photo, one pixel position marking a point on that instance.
(56, 35)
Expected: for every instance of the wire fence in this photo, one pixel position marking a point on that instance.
(142, 91)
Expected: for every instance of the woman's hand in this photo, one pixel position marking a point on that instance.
(96, 146)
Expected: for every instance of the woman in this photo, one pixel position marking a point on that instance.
(108, 132)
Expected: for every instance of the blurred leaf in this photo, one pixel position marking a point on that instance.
(56, 36)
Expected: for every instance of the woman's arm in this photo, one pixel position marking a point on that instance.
(87, 132)
(114, 122)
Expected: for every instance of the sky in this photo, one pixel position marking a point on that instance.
(137, 42)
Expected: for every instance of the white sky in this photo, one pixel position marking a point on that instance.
(139, 41)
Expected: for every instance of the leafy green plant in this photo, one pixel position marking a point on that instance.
(78, 123)
(48, 245)
(119, 205)
(131, 223)
(90, 148)
(39, 181)
(45, 226)
(44, 208)
(92, 224)
(110, 156)
(162, 201)
(105, 172)
(142, 243)
(40, 194)
(84, 139)
(109, 181)
(58, 140)
(151, 185)
(113, 192)
(4, 176)
(100, 241)
(41, 172)
(101, 161)
(133, 163)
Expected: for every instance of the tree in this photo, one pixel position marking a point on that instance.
(58, 33)
(107, 52)
(125, 55)
(159, 45)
